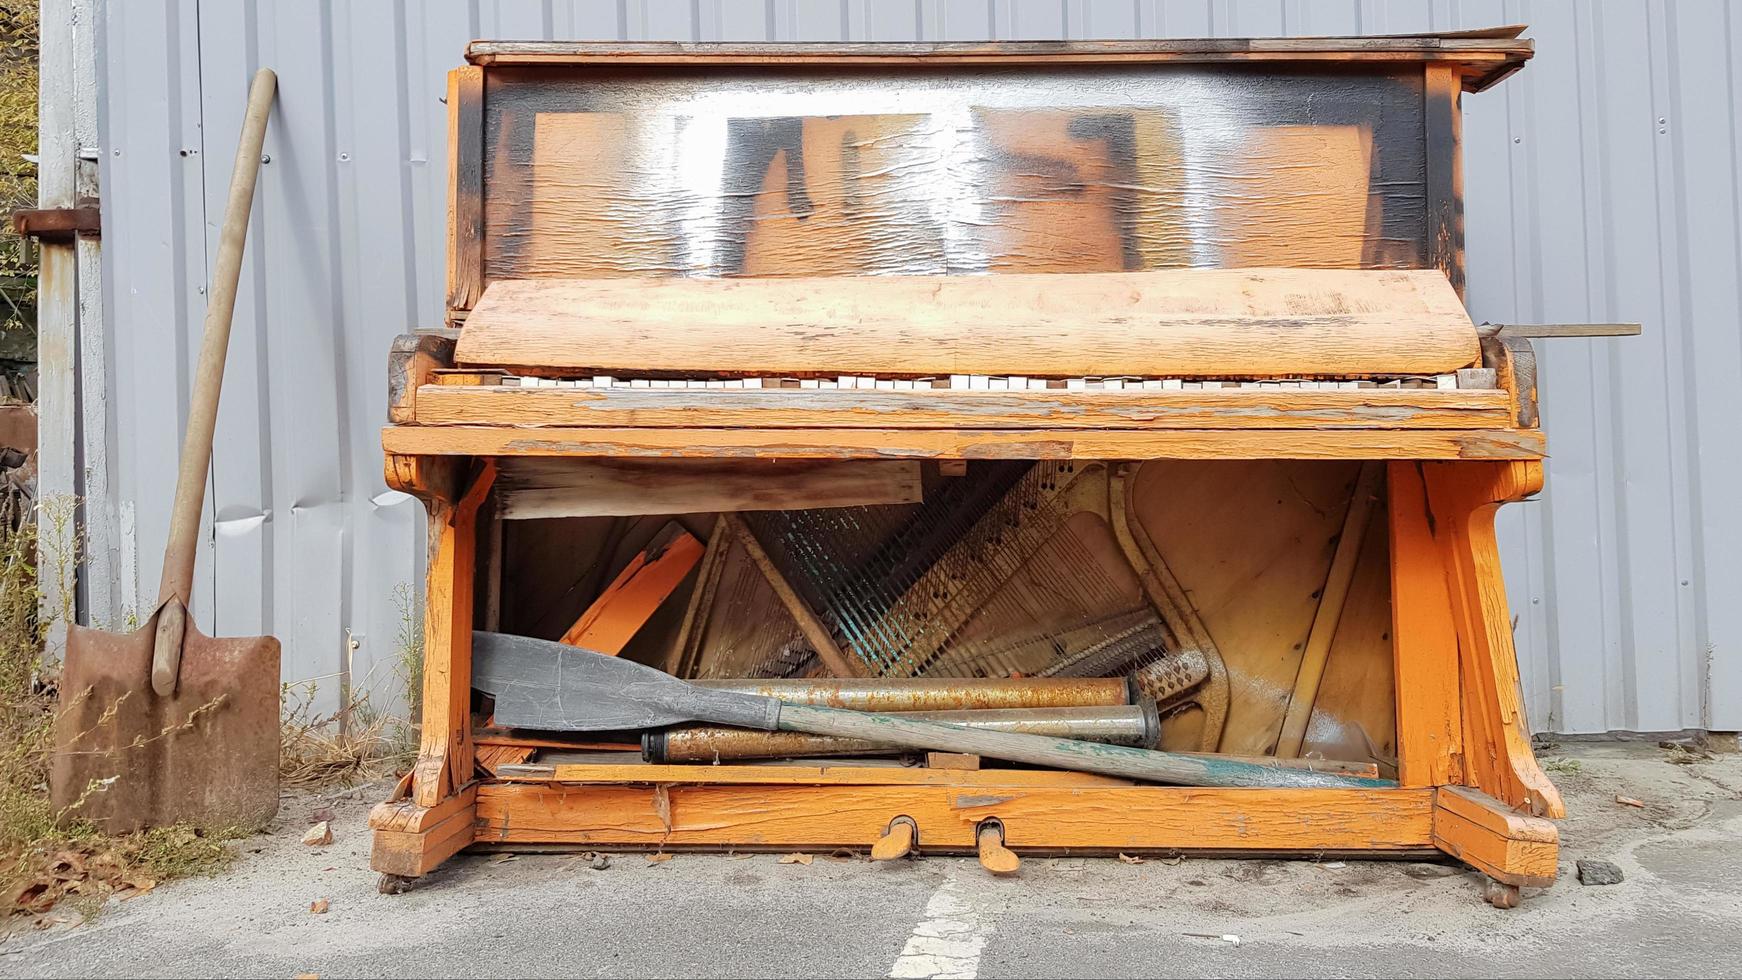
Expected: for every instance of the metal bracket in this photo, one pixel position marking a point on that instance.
(58, 225)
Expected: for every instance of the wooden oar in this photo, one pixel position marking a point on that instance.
(550, 686)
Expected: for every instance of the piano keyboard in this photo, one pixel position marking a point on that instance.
(1470, 378)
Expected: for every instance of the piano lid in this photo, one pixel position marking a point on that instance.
(1165, 323)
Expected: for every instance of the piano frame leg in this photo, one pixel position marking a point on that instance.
(431, 815)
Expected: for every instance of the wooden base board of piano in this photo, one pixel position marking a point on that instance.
(1469, 783)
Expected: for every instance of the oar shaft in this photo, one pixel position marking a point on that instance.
(1059, 753)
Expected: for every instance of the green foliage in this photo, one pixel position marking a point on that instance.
(18, 90)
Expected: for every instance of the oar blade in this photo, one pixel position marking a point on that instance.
(543, 685)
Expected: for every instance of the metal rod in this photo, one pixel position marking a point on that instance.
(1136, 725)
(935, 694)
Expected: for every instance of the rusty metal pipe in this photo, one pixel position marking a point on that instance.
(1136, 725)
(894, 695)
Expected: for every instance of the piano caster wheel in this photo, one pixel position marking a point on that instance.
(897, 842)
(394, 884)
(994, 856)
(1501, 895)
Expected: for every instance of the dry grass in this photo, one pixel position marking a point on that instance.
(45, 859)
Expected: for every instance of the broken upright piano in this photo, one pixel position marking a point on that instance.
(1127, 384)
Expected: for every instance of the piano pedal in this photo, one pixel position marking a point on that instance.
(994, 856)
(898, 841)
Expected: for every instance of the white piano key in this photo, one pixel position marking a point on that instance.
(1273, 385)
(1288, 384)
(1445, 381)
(809, 383)
(715, 383)
(885, 384)
(826, 383)
(998, 384)
(979, 382)
(1348, 385)
(1038, 384)
(1017, 382)
(752, 382)
(640, 383)
(582, 382)
(1076, 384)
(904, 384)
(510, 382)
(1171, 384)
(602, 381)
(1113, 384)
(1192, 385)
(567, 384)
(1151, 384)
(959, 382)
(1248, 384)
(734, 383)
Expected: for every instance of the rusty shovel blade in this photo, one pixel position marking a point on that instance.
(207, 755)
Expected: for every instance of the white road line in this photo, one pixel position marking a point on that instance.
(948, 943)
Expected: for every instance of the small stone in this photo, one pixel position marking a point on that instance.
(321, 815)
(1599, 873)
(320, 835)
(319, 906)
(600, 862)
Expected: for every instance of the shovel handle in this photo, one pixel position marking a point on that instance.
(1059, 753)
(196, 448)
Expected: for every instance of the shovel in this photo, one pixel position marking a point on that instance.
(552, 686)
(164, 724)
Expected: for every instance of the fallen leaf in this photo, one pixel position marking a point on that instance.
(1130, 859)
(659, 858)
(502, 858)
(1629, 801)
(319, 906)
(320, 835)
(795, 858)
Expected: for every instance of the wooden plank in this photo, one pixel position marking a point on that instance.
(815, 630)
(1565, 329)
(1164, 323)
(1430, 740)
(465, 187)
(1083, 817)
(542, 488)
(958, 761)
(1330, 610)
(1513, 848)
(1445, 173)
(649, 579)
(1131, 408)
(966, 443)
(686, 649)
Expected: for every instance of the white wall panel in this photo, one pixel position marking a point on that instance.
(1602, 183)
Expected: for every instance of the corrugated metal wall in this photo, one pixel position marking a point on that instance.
(1602, 184)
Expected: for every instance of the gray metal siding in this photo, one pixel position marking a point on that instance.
(1602, 184)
